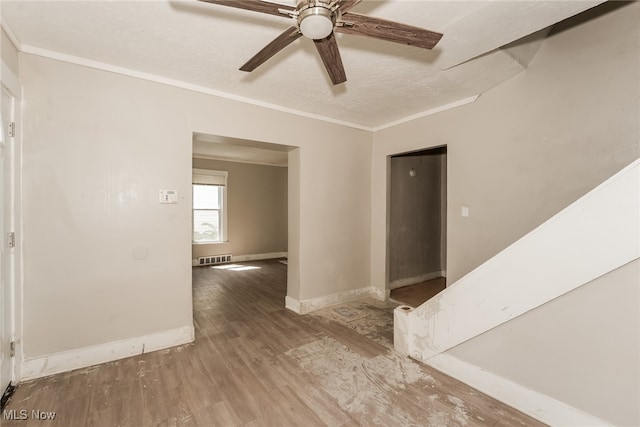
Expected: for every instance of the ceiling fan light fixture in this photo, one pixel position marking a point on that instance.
(316, 22)
(318, 19)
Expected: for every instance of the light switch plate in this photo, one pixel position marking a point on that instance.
(169, 196)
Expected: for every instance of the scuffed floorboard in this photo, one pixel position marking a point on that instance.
(370, 318)
(390, 389)
(256, 364)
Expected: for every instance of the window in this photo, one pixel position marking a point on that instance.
(209, 219)
(206, 213)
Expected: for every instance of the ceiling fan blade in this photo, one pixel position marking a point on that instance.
(283, 40)
(328, 50)
(346, 5)
(388, 30)
(254, 5)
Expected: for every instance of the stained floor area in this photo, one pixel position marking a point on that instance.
(256, 364)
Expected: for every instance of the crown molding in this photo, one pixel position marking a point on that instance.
(428, 112)
(46, 53)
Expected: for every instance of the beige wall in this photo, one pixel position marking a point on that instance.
(582, 348)
(256, 209)
(97, 148)
(529, 147)
(518, 155)
(9, 53)
(293, 217)
(334, 227)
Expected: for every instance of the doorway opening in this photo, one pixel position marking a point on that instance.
(417, 225)
(240, 203)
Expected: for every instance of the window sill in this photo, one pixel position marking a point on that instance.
(209, 243)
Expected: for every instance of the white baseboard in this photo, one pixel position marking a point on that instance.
(537, 405)
(380, 294)
(313, 304)
(292, 304)
(417, 279)
(258, 257)
(88, 356)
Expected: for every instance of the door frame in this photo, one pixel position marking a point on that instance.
(444, 241)
(10, 82)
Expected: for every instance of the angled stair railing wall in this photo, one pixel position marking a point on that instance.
(593, 236)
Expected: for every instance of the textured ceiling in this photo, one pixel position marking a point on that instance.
(204, 45)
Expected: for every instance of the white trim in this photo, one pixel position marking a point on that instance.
(211, 243)
(380, 294)
(401, 328)
(537, 405)
(177, 83)
(313, 304)
(226, 159)
(210, 172)
(12, 83)
(415, 280)
(209, 176)
(258, 257)
(591, 237)
(33, 50)
(429, 112)
(102, 353)
(292, 304)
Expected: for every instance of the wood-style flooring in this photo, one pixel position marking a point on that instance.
(415, 295)
(254, 363)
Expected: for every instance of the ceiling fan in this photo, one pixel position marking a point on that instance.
(318, 20)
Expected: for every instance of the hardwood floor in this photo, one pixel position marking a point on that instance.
(414, 295)
(256, 364)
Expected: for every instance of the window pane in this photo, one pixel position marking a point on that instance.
(206, 226)
(206, 196)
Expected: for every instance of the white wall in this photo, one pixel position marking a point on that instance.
(97, 148)
(529, 147)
